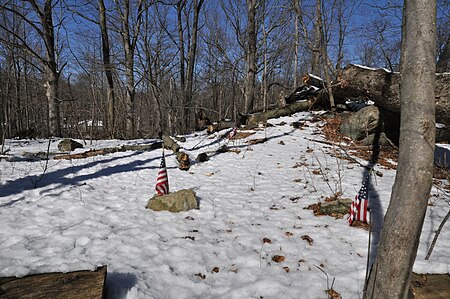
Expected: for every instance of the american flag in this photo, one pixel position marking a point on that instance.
(233, 133)
(162, 181)
(358, 208)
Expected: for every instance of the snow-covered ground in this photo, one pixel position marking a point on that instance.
(87, 212)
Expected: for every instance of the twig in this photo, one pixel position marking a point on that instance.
(343, 149)
(437, 235)
(46, 164)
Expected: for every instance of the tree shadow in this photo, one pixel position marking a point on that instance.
(375, 207)
(61, 177)
(229, 148)
(119, 284)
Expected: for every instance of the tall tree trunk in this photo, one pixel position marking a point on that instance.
(315, 66)
(129, 38)
(342, 29)
(251, 56)
(51, 68)
(51, 86)
(390, 275)
(191, 63)
(130, 93)
(184, 110)
(296, 52)
(327, 67)
(110, 124)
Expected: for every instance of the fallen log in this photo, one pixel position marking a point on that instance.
(182, 158)
(219, 126)
(312, 80)
(109, 150)
(254, 119)
(171, 144)
(73, 285)
(383, 88)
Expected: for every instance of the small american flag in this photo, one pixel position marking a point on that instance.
(162, 181)
(233, 133)
(358, 208)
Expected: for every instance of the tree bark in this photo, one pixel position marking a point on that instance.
(315, 64)
(390, 275)
(383, 87)
(191, 63)
(251, 56)
(184, 110)
(107, 69)
(51, 69)
(72, 285)
(50, 65)
(129, 38)
(51, 86)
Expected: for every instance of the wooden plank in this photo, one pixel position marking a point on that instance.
(72, 285)
(430, 286)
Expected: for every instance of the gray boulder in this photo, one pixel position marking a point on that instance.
(68, 145)
(336, 208)
(382, 139)
(183, 200)
(202, 157)
(361, 123)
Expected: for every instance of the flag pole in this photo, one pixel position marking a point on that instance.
(368, 250)
(370, 237)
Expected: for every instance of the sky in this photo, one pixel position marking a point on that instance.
(83, 213)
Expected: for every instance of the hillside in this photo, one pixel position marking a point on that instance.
(88, 212)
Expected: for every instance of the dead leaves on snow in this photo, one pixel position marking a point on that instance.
(257, 141)
(267, 240)
(278, 258)
(332, 294)
(308, 239)
(387, 158)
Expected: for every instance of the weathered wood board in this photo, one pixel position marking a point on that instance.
(72, 285)
(430, 286)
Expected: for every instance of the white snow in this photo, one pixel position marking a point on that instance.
(88, 212)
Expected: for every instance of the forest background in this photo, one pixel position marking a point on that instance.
(135, 68)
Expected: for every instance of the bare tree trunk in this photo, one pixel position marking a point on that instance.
(264, 75)
(327, 68)
(110, 125)
(130, 93)
(191, 63)
(390, 275)
(315, 66)
(51, 86)
(251, 56)
(129, 37)
(50, 66)
(342, 26)
(184, 110)
(297, 43)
